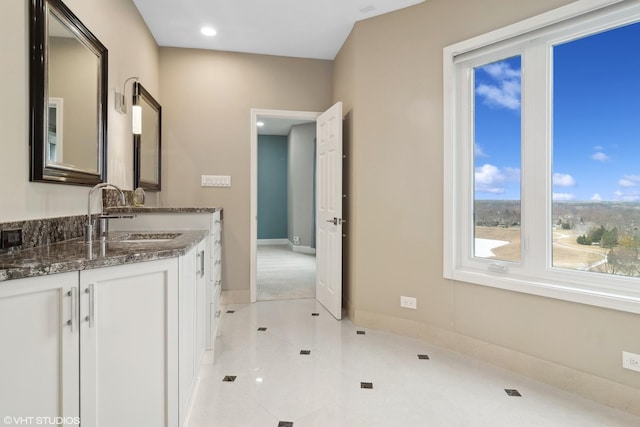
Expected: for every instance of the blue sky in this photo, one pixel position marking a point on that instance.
(596, 121)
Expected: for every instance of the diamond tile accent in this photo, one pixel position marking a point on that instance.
(285, 424)
(229, 378)
(360, 332)
(512, 392)
(423, 356)
(366, 385)
(262, 329)
(305, 351)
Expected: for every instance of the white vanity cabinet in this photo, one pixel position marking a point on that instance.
(166, 219)
(39, 354)
(111, 346)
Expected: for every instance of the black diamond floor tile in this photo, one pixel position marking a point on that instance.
(512, 392)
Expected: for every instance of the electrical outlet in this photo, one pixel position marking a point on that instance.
(11, 238)
(631, 361)
(296, 240)
(408, 302)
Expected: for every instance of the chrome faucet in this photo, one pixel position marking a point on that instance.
(88, 228)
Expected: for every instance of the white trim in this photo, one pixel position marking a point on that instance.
(253, 159)
(302, 249)
(529, 25)
(264, 242)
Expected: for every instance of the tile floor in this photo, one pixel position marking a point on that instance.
(311, 370)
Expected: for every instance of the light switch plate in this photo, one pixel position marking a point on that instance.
(216, 181)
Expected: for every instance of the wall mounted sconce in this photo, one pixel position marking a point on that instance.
(121, 101)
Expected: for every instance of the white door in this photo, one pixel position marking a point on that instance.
(329, 210)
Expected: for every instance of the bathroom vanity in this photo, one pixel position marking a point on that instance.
(184, 218)
(105, 334)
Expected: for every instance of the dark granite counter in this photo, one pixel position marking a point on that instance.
(158, 209)
(119, 248)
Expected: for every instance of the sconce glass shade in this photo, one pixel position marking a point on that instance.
(136, 119)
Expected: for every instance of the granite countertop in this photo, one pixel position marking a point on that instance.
(159, 209)
(119, 248)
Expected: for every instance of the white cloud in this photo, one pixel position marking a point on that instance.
(629, 181)
(596, 198)
(507, 95)
(598, 148)
(478, 151)
(626, 183)
(600, 156)
(489, 179)
(630, 196)
(501, 70)
(563, 196)
(506, 92)
(563, 180)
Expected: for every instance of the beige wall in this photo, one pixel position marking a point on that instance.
(207, 99)
(389, 75)
(132, 51)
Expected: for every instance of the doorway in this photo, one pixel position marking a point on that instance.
(283, 264)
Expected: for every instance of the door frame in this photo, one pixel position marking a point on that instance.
(257, 114)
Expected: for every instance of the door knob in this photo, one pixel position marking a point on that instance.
(337, 221)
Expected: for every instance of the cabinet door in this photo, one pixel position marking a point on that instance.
(39, 359)
(129, 345)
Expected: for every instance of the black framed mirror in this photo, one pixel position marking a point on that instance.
(147, 153)
(68, 98)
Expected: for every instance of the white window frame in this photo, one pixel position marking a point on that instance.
(533, 39)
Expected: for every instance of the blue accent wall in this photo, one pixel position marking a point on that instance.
(272, 187)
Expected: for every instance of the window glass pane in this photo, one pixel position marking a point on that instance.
(596, 153)
(497, 153)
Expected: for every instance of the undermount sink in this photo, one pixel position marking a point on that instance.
(145, 237)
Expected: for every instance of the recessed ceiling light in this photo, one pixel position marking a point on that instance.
(208, 31)
(260, 124)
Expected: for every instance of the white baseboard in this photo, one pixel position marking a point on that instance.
(302, 249)
(273, 242)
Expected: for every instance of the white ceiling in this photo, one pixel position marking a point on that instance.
(298, 28)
